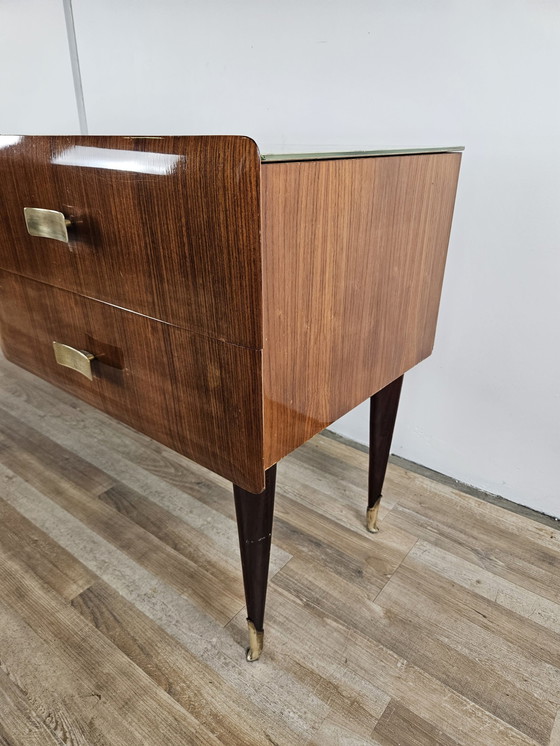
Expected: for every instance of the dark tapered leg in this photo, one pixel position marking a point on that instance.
(383, 413)
(254, 523)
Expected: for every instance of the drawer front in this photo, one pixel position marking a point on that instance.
(167, 227)
(200, 396)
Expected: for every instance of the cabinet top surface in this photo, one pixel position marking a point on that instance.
(286, 157)
(9, 140)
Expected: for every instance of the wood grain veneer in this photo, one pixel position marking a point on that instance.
(331, 268)
(167, 227)
(202, 397)
(353, 260)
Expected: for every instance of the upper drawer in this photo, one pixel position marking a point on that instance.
(167, 227)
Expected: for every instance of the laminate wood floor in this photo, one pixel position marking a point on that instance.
(122, 614)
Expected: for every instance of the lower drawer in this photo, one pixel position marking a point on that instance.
(200, 396)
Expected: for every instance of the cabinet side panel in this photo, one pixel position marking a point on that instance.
(353, 259)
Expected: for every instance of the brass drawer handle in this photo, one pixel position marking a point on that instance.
(79, 360)
(46, 223)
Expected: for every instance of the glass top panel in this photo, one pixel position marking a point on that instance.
(284, 157)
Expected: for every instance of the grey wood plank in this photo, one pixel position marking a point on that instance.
(210, 593)
(20, 724)
(269, 686)
(434, 650)
(182, 487)
(78, 676)
(444, 517)
(47, 559)
(398, 726)
(223, 709)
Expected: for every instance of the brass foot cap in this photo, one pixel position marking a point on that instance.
(372, 515)
(256, 640)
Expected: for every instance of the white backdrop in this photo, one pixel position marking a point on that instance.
(36, 86)
(485, 408)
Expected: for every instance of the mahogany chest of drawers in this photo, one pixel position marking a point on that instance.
(227, 305)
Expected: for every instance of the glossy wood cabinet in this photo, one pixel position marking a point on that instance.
(226, 304)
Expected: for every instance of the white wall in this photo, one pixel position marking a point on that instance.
(36, 85)
(485, 408)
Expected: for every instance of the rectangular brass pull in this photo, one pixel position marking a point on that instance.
(46, 223)
(79, 360)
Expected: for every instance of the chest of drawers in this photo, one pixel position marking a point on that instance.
(227, 305)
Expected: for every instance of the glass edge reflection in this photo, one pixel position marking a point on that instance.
(288, 157)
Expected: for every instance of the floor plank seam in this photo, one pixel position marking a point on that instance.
(554, 739)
